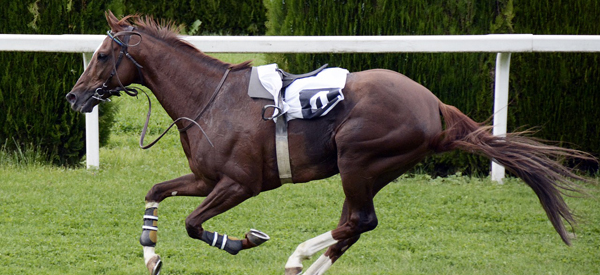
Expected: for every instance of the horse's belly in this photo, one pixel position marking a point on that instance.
(312, 150)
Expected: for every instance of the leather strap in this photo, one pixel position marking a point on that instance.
(282, 147)
(212, 98)
(192, 121)
(282, 150)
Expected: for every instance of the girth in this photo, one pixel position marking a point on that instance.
(281, 133)
(282, 150)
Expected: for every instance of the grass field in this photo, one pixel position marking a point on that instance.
(77, 221)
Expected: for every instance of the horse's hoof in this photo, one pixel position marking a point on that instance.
(154, 265)
(257, 237)
(293, 271)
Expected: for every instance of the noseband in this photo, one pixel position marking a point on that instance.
(103, 93)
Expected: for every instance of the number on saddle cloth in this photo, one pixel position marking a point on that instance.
(315, 96)
(318, 102)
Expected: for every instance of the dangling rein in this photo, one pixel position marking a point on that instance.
(102, 91)
(193, 121)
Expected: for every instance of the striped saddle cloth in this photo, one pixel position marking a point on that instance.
(307, 97)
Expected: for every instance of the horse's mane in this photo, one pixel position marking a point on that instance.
(166, 31)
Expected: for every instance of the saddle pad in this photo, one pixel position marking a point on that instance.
(305, 98)
(315, 96)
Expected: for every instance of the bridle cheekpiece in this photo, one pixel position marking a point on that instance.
(103, 93)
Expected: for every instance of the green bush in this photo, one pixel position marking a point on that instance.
(555, 91)
(229, 17)
(34, 112)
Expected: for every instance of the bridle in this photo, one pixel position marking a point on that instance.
(103, 93)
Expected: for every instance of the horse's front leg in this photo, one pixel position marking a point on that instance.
(187, 185)
(226, 195)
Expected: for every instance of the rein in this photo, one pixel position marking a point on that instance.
(192, 121)
(103, 93)
(212, 98)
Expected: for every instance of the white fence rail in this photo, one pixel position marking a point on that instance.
(503, 44)
(328, 44)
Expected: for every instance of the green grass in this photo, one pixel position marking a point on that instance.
(77, 221)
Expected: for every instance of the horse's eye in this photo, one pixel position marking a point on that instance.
(102, 56)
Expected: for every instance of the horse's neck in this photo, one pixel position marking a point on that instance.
(182, 84)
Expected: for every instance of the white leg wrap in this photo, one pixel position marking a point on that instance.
(224, 241)
(215, 238)
(148, 253)
(308, 248)
(151, 204)
(319, 266)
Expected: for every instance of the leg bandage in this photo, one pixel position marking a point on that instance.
(149, 229)
(231, 245)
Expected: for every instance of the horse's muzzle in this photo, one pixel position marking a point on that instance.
(81, 104)
(71, 98)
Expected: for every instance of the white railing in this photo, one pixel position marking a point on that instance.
(328, 44)
(503, 44)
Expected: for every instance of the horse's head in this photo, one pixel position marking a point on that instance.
(110, 69)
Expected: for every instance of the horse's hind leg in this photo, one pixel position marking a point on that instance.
(364, 171)
(306, 250)
(360, 221)
(334, 252)
(358, 217)
(184, 186)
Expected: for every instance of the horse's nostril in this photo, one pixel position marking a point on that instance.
(71, 98)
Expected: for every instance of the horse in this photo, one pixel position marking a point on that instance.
(386, 124)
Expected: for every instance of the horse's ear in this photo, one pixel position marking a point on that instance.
(111, 19)
(115, 24)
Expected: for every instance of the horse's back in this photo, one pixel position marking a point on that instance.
(378, 85)
(391, 101)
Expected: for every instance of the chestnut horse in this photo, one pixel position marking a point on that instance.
(386, 124)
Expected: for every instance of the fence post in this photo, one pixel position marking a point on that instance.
(92, 136)
(500, 107)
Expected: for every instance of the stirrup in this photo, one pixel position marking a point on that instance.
(277, 112)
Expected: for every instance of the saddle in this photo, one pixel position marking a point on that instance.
(314, 95)
(270, 82)
(288, 78)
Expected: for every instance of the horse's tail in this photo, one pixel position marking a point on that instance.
(529, 159)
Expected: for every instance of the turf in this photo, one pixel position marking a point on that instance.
(61, 221)
(75, 221)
